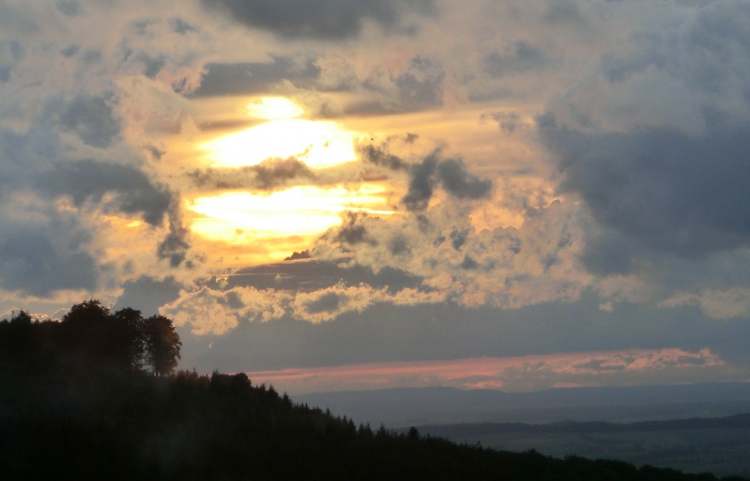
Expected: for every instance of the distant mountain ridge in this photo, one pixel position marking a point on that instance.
(429, 406)
(738, 421)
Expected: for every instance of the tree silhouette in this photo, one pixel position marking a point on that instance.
(128, 339)
(162, 344)
(90, 339)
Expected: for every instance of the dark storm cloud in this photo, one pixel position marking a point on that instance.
(42, 259)
(325, 19)
(257, 77)
(519, 57)
(148, 294)
(707, 56)
(658, 190)
(90, 181)
(92, 119)
(266, 176)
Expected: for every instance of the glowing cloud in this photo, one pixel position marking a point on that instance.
(274, 108)
(238, 217)
(319, 144)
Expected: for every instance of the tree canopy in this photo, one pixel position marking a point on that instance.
(90, 338)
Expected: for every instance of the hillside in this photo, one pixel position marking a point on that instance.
(431, 406)
(718, 445)
(65, 413)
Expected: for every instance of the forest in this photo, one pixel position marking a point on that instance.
(96, 395)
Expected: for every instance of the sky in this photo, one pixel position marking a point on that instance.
(341, 194)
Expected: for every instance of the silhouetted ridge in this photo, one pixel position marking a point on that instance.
(90, 398)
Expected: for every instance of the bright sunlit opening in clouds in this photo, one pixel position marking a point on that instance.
(319, 144)
(274, 108)
(237, 217)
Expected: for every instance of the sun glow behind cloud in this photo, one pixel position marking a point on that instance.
(317, 143)
(290, 218)
(274, 108)
(240, 217)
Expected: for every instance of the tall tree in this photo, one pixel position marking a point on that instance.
(162, 344)
(128, 339)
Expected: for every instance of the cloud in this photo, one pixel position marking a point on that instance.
(269, 175)
(656, 146)
(459, 182)
(175, 245)
(11, 53)
(43, 257)
(450, 173)
(90, 181)
(507, 267)
(257, 77)
(659, 189)
(422, 183)
(70, 8)
(508, 122)
(518, 57)
(419, 85)
(309, 274)
(181, 26)
(148, 294)
(208, 310)
(92, 119)
(380, 155)
(329, 20)
(733, 303)
(427, 174)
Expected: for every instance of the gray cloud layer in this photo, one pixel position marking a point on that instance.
(90, 180)
(326, 19)
(660, 189)
(256, 77)
(670, 178)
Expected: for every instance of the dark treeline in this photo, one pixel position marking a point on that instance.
(92, 397)
(90, 339)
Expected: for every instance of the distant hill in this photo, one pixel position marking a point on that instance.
(718, 445)
(739, 421)
(406, 407)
